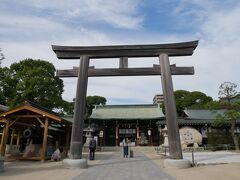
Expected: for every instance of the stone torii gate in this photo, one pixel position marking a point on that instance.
(123, 52)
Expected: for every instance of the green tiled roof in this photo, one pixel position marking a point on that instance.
(202, 113)
(187, 122)
(198, 117)
(194, 122)
(127, 112)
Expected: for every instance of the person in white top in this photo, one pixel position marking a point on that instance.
(125, 147)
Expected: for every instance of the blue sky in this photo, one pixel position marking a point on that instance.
(29, 28)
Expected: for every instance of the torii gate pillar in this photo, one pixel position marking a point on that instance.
(79, 109)
(175, 149)
(75, 157)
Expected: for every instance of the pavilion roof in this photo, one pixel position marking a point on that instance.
(31, 110)
(127, 112)
(203, 113)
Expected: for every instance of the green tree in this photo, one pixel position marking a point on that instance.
(34, 80)
(92, 101)
(67, 108)
(6, 85)
(227, 91)
(185, 99)
(197, 99)
(180, 98)
(1, 56)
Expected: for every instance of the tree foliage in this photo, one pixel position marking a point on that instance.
(197, 99)
(30, 79)
(185, 99)
(67, 108)
(92, 101)
(227, 90)
(6, 85)
(1, 56)
(180, 98)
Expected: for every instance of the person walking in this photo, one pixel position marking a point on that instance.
(125, 148)
(92, 148)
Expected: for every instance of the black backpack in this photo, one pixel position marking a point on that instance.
(92, 144)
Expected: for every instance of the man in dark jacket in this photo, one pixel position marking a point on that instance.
(92, 148)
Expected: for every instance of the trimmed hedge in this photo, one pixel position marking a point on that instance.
(220, 141)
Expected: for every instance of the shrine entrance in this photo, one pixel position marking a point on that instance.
(124, 52)
(128, 131)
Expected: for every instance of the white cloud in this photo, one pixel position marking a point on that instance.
(118, 13)
(216, 58)
(29, 28)
(222, 27)
(33, 29)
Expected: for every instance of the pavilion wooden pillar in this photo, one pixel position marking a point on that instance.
(79, 109)
(44, 147)
(4, 140)
(12, 136)
(18, 137)
(170, 108)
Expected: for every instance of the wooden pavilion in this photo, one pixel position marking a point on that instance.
(31, 119)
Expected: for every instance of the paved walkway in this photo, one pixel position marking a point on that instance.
(115, 167)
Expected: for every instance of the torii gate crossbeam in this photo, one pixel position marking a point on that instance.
(92, 72)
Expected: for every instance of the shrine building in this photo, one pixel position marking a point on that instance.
(135, 122)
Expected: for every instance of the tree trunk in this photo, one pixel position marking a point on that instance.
(234, 137)
(235, 140)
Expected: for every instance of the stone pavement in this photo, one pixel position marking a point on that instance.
(115, 167)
